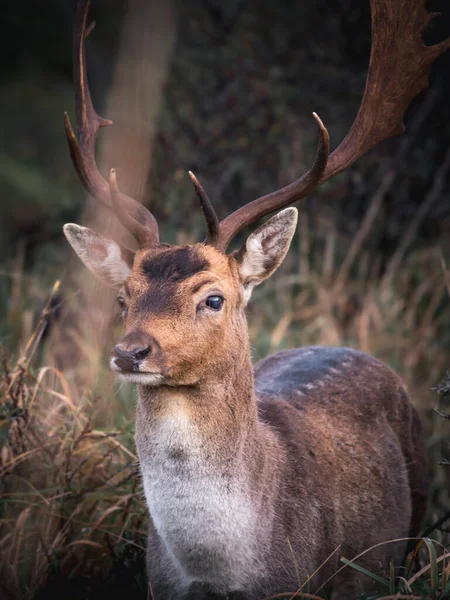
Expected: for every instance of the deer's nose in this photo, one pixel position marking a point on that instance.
(131, 351)
(137, 353)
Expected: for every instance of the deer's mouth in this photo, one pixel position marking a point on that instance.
(154, 379)
(135, 375)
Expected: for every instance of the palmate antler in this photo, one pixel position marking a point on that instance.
(398, 71)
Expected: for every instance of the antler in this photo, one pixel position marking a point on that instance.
(211, 218)
(249, 213)
(135, 217)
(398, 71)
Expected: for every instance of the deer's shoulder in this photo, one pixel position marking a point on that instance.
(342, 382)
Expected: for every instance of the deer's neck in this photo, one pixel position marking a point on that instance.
(206, 463)
(220, 414)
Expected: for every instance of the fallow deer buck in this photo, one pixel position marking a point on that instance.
(255, 477)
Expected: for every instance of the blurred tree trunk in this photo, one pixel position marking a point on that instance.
(133, 103)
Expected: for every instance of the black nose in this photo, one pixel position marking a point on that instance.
(129, 353)
(138, 353)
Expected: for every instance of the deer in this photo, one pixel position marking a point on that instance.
(257, 479)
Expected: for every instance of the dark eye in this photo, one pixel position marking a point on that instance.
(123, 306)
(214, 302)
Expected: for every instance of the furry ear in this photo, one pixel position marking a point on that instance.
(108, 261)
(265, 249)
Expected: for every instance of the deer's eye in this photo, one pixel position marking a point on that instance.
(123, 306)
(214, 302)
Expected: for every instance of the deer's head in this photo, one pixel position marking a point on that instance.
(183, 306)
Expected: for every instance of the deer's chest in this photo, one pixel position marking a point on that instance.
(204, 517)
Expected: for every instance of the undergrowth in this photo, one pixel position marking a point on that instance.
(71, 518)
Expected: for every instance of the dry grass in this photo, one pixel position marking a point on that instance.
(70, 499)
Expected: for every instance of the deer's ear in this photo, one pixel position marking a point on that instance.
(108, 261)
(265, 249)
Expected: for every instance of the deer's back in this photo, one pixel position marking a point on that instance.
(354, 454)
(345, 386)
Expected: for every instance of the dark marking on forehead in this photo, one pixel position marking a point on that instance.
(174, 265)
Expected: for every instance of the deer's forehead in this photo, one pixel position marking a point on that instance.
(178, 266)
(172, 265)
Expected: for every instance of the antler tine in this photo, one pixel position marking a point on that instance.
(211, 218)
(249, 213)
(82, 149)
(398, 71)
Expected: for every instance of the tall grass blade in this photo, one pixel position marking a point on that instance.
(364, 571)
